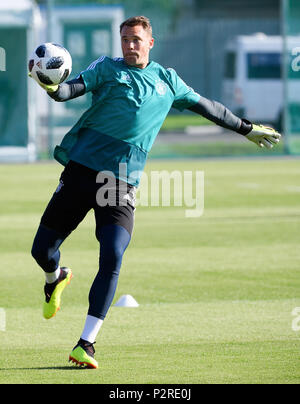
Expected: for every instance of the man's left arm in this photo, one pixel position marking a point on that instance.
(222, 116)
(68, 90)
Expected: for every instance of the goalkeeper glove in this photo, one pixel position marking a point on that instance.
(263, 136)
(49, 88)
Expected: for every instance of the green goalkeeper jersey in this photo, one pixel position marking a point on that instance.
(129, 106)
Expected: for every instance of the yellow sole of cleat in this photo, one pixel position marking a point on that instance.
(53, 315)
(84, 365)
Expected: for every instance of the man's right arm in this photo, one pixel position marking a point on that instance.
(69, 90)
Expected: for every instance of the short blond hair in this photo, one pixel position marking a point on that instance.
(138, 20)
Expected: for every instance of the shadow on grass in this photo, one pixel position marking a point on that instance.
(46, 368)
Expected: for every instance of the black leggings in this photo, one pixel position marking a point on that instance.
(74, 197)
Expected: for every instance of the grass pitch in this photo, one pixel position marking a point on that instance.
(216, 293)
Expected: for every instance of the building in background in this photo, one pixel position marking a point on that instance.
(195, 46)
(191, 36)
(291, 75)
(30, 123)
(19, 22)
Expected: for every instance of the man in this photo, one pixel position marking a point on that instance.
(131, 98)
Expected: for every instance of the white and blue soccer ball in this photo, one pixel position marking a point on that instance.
(50, 64)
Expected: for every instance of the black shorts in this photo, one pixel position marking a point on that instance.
(76, 195)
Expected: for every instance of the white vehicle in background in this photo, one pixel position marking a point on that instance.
(252, 85)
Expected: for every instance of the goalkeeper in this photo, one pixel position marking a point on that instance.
(131, 99)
